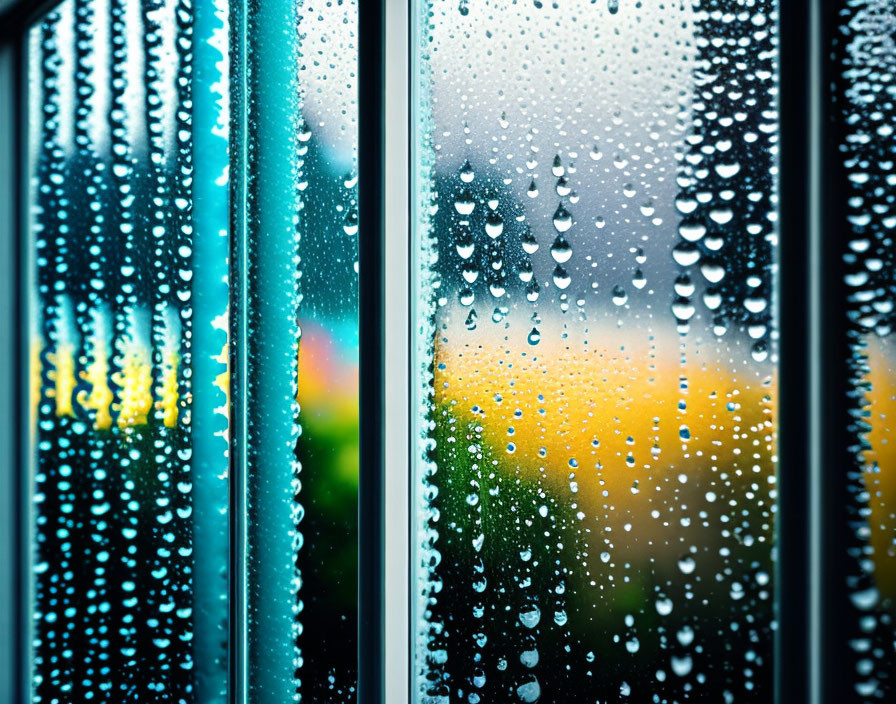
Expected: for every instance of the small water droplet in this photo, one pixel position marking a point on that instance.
(534, 337)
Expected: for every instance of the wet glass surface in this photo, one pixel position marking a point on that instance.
(596, 206)
(127, 174)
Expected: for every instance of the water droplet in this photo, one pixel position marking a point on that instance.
(759, 351)
(494, 225)
(529, 243)
(529, 692)
(529, 658)
(350, 225)
(466, 172)
(684, 286)
(534, 337)
(712, 299)
(681, 666)
(686, 254)
(557, 167)
(464, 243)
(692, 231)
(530, 616)
(687, 564)
(562, 219)
(712, 271)
(620, 297)
(563, 189)
(464, 203)
(664, 606)
(561, 278)
(561, 251)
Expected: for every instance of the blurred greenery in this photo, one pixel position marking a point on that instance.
(584, 625)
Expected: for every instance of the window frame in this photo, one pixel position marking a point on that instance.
(16, 17)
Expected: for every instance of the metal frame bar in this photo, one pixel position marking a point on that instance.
(372, 179)
(792, 647)
(397, 320)
(238, 418)
(13, 491)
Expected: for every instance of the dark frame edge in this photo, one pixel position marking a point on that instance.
(20, 15)
(793, 635)
(237, 685)
(13, 120)
(371, 202)
(15, 22)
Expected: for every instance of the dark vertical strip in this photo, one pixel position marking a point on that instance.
(829, 402)
(793, 639)
(21, 687)
(371, 179)
(237, 337)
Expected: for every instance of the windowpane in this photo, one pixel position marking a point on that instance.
(595, 362)
(127, 166)
(301, 351)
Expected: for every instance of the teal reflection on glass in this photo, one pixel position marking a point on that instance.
(301, 351)
(127, 173)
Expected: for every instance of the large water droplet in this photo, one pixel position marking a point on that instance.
(561, 251)
(562, 219)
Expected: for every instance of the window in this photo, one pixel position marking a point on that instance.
(447, 351)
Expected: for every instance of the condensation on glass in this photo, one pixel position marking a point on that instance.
(127, 193)
(865, 53)
(301, 350)
(595, 244)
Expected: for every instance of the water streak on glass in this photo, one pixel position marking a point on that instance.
(301, 350)
(129, 446)
(595, 253)
(865, 52)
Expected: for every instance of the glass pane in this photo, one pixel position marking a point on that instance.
(127, 166)
(865, 90)
(595, 361)
(301, 350)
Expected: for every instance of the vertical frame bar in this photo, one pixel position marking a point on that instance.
(13, 545)
(238, 422)
(793, 643)
(371, 189)
(397, 363)
(16, 16)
